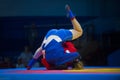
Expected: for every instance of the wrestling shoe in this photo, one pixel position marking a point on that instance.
(69, 12)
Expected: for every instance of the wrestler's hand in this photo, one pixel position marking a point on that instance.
(28, 67)
(31, 63)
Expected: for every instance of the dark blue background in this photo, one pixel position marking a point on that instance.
(48, 14)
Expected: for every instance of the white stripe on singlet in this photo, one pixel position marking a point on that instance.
(50, 38)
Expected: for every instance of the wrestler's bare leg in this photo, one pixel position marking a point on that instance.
(76, 33)
(77, 29)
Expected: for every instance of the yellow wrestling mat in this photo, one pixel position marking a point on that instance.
(97, 70)
(94, 73)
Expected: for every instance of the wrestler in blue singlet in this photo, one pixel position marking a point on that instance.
(53, 46)
(52, 43)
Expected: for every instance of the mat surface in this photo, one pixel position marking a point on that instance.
(88, 73)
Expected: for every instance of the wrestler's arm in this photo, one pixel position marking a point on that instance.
(37, 54)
